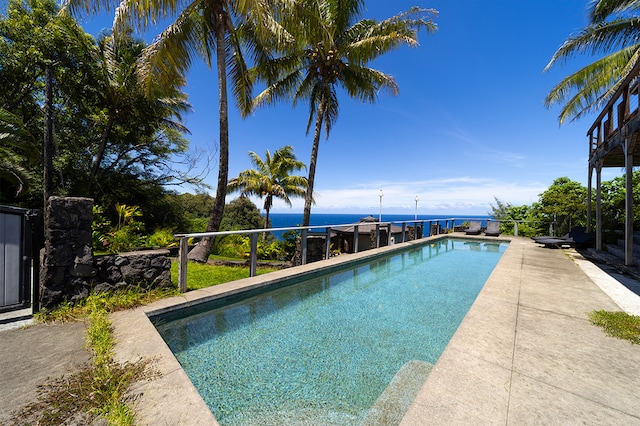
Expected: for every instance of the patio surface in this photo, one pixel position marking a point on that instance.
(524, 354)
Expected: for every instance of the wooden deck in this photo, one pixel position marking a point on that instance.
(613, 142)
(619, 122)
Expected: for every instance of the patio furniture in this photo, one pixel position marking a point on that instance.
(493, 229)
(474, 228)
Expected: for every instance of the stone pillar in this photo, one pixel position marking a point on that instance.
(67, 262)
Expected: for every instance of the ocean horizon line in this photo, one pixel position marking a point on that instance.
(284, 220)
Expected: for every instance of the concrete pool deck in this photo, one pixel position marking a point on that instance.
(524, 354)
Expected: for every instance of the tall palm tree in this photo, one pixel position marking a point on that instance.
(613, 31)
(208, 29)
(271, 179)
(331, 51)
(17, 149)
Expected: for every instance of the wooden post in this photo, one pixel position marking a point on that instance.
(628, 228)
(599, 205)
(589, 195)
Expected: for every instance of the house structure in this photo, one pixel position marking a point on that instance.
(613, 142)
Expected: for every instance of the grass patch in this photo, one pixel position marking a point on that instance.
(110, 301)
(201, 275)
(618, 324)
(97, 391)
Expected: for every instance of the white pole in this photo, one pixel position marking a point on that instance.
(416, 216)
(380, 216)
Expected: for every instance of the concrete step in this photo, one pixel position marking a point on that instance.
(618, 251)
(636, 246)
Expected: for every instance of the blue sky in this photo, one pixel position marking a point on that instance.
(468, 124)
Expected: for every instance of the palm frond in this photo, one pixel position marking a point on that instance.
(600, 10)
(592, 86)
(598, 38)
(169, 57)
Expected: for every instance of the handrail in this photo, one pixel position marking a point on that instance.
(616, 113)
(621, 89)
(253, 233)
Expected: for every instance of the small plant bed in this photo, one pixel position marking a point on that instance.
(97, 391)
(618, 324)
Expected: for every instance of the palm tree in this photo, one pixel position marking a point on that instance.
(17, 149)
(205, 28)
(331, 51)
(271, 179)
(613, 30)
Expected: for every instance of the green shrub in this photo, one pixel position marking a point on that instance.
(273, 250)
(235, 246)
(162, 238)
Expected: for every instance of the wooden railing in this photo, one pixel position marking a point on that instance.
(621, 109)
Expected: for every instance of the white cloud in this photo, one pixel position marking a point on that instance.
(461, 195)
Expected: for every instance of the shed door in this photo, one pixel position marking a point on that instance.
(10, 258)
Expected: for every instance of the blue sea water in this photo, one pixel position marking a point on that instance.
(285, 220)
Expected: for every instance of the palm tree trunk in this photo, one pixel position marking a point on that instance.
(95, 164)
(48, 137)
(200, 252)
(266, 224)
(308, 198)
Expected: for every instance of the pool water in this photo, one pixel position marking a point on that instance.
(323, 351)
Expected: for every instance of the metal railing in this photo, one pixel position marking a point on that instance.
(418, 224)
(418, 233)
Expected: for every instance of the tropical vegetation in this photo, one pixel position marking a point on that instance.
(220, 29)
(331, 50)
(612, 35)
(110, 143)
(563, 206)
(271, 178)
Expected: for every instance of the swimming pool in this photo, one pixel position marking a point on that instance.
(325, 349)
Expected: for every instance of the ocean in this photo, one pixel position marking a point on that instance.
(285, 220)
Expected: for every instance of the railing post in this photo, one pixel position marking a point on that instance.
(389, 234)
(355, 239)
(182, 264)
(377, 235)
(404, 229)
(327, 251)
(303, 243)
(253, 257)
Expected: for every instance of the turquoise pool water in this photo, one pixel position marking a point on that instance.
(323, 350)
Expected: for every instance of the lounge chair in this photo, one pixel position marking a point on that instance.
(549, 237)
(493, 229)
(474, 228)
(576, 237)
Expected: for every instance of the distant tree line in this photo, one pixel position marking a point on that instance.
(564, 205)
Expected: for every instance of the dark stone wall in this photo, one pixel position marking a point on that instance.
(147, 269)
(67, 262)
(69, 270)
